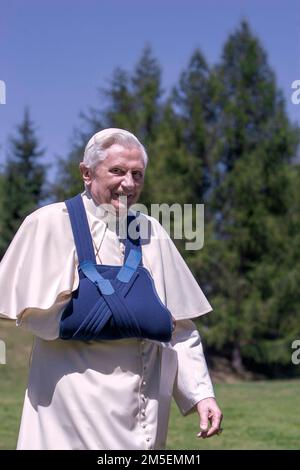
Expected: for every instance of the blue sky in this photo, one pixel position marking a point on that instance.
(54, 55)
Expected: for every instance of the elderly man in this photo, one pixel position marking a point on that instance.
(104, 393)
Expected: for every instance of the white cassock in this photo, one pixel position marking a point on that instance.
(105, 394)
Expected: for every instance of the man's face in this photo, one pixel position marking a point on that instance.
(120, 174)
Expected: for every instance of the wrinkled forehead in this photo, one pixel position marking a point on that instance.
(124, 154)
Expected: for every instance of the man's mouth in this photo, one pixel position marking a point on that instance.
(123, 195)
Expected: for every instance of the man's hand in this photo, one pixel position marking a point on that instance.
(210, 417)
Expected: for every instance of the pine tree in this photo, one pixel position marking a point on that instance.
(132, 102)
(147, 93)
(68, 181)
(23, 180)
(120, 111)
(192, 99)
(254, 145)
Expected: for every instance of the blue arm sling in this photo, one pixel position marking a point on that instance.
(111, 302)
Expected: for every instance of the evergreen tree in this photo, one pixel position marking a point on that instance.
(68, 181)
(173, 173)
(120, 111)
(178, 162)
(23, 180)
(147, 92)
(254, 143)
(192, 99)
(131, 103)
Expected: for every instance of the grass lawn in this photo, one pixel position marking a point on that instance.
(257, 415)
(13, 376)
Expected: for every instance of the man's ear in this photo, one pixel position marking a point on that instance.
(86, 173)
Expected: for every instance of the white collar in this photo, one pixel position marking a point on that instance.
(100, 212)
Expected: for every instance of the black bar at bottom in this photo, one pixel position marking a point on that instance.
(134, 459)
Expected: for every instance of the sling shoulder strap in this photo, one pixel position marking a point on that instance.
(81, 230)
(85, 250)
(133, 252)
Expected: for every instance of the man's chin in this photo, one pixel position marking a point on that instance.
(121, 208)
(122, 204)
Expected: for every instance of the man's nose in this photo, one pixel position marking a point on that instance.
(127, 181)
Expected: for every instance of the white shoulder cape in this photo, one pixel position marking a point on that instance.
(39, 271)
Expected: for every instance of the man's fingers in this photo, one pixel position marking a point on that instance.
(216, 420)
(204, 421)
(213, 431)
(210, 417)
(204, 426)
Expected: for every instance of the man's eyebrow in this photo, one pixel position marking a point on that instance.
(120, 165)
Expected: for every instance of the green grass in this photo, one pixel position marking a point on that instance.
(257, 415)
(13, 378)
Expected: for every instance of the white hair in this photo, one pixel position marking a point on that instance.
(99, 143)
